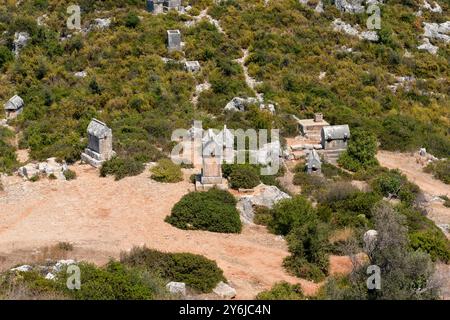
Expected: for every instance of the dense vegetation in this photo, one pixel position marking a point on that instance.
(141, 274)
(214, 210)
(440, 170)
(115, 281)
(143, 99)
(198, 272)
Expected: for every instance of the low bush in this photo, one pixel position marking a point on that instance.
(308, 244)
(263, 215)
(337, 191)
(394, 184)
(167, 171)
(282, 291)
(214, 210)
(332, 172)
(433, 243)
(360, 153)
(289, 213)
(114, 282)
(243, 176)
(196, 271)
(121, 168)
(310, 183)
(70, 174)
(440, 170)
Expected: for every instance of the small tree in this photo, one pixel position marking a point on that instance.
(360, 153)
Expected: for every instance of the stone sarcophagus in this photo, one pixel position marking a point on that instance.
(174, 40)
(99, 148)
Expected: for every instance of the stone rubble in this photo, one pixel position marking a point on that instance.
(49, 167)
(266, 196)
(225, 291)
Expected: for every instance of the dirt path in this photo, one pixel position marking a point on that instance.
(106, 216)
(432, 187)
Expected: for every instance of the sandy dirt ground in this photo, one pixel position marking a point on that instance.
(102, 217)
(432, 187)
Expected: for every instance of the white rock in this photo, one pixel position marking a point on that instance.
(24, 268)
(427, 46)
(370, 239)
(239, 104)
(223, 290)
(436, 9)
(351, 6)
(369, 35)
(80, 74)
(266, 196)
(437, 31)
(319, 7)
(61, 264)
(102, 23)
(50, 276)
(445, 227)
(176, 288)
(20, 41)
(341, 26)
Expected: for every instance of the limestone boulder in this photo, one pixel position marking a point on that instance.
(176, 288)
(225, 291)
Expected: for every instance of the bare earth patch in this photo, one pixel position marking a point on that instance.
(432, 187)
(102, 217)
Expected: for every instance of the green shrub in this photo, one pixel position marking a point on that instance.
(132, 20)
(263, 215)
(121, 168)
(167, 171)
(308, 245)
(394, 184)
(310, 183)
(196, 271)
(332, 172)
(70, 174)
(289, 213)
(244, 177)
(433, 243)
(360, 153)
(337, 191)
(282, 291)
(446, 201)
(214, 210)
(440, 170)
(114, 282)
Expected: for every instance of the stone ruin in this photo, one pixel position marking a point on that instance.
(311, 128)
(13, 107)
(211, 175)
(192, 66)
(160, 6)
(174, 40)
(99, 149)
(334, 140)
(313, 163)
(263, 195)
(48, 168)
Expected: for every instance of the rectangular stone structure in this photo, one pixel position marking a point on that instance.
(99, 147)
(174, 40)
(13, 107)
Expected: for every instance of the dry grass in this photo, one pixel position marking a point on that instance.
(341, 235)
(52, 253)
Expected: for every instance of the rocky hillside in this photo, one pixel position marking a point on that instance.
(301, 56)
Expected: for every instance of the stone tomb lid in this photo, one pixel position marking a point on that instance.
(14, 103)
(98, 129)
